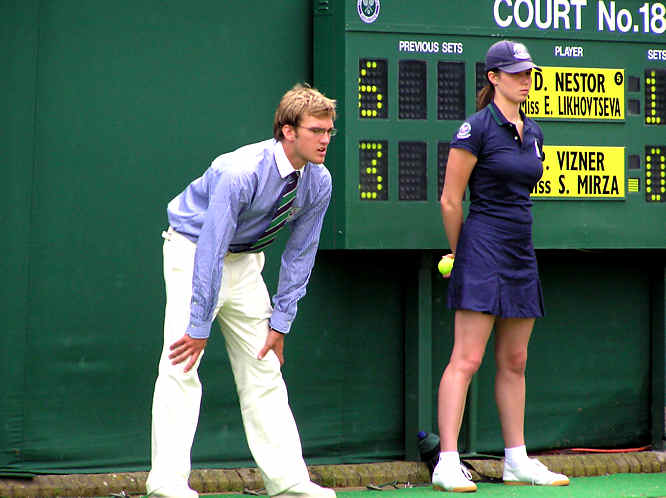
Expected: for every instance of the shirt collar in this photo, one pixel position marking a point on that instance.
(283, 164)
(499, 117)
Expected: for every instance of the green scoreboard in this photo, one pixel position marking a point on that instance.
(406, 74)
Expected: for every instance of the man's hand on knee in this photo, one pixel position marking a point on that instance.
(187, 347)
(274, 341)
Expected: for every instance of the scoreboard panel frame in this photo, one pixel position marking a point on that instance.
(405, 214)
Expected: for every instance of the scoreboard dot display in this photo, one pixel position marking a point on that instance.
(412, 90)
(451, 90)
(372, 89)
(373, 170)
(412, 176)
(655, 97)
(655, 173)
(481, 78)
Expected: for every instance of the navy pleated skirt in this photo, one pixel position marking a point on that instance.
(495, 270)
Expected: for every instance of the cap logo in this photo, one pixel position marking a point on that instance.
(520, 51)
(465, 131)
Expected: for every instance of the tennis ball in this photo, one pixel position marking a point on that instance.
(444, 266)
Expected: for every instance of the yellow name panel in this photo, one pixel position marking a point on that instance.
(576, 93)
(575, 171)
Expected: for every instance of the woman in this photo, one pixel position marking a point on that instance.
(497, 152)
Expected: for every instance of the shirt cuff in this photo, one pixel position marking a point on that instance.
(280, 321)
(199, 331)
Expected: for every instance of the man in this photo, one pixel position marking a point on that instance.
(212, 268)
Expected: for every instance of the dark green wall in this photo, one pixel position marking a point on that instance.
(18, 32)
(108, 110)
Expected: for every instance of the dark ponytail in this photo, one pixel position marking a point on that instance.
(486, 94)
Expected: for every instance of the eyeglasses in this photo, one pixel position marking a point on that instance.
(321, 131)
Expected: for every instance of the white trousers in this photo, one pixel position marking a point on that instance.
(242, 310)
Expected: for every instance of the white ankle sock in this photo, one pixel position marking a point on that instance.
(449, 458)
(516, 455)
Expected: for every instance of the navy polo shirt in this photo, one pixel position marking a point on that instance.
(507, 168)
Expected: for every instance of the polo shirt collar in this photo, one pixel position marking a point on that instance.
(283, 164)
(499, 117)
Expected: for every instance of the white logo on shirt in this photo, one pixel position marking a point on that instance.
(465, 131)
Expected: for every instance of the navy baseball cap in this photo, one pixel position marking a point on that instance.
(510, 57)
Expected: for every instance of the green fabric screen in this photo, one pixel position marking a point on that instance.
(111, 110)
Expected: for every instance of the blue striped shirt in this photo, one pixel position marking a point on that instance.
(231, 204)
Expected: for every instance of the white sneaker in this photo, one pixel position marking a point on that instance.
(307, 490)
(533, 472)
(454, 478)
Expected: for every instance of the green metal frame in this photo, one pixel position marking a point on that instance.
(658, 359)
(418, 355)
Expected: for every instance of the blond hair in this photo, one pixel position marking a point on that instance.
(298, 102)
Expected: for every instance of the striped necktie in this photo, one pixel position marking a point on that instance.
(281, 214)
